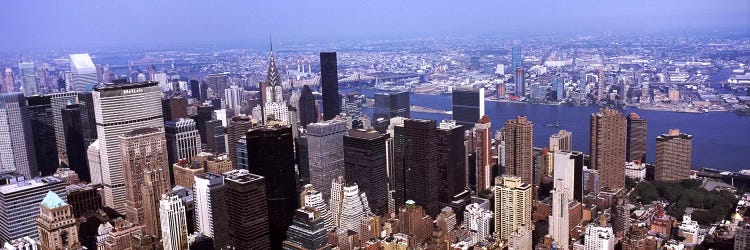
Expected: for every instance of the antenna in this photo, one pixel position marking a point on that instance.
(271, 42)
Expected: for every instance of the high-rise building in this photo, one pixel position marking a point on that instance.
(272, 154)
(120, 108)
(183, 140)
(520, 82)
(29, 83)
(673, 156)
(468, 106)
(562, 141)
(451, 161)
(329, 78)
(325, 148)
(416, 171)
(559, 87)
(8, 82)
(74, 119)
(337, 199)
(599, 237)
(56, 225)
(19, 205)
(234, 96)
(601, 86)
(40, 113)
(247, 210)
(16, 144)
(636, 144)
(354, 208)
(516, 58)
(365, 164)
(195, 89)
(209, 194)
(82, 73)
(308, 231)
(173, 219)
(608, 145)
(479, 219)
(237, 128)
(217, 83)
(174, 107)
(559, 220)
(216, 137)
(309, 197)
(519, 138)
(512, 205)
(414, 221)
(59, 102)
(483, 149)
(308, 111)
(389, 105)
(144, 163)
(84, 198)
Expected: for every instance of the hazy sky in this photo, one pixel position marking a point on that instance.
(93, 23)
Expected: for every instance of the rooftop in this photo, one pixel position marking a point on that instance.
(28, 184)
(82, 64)
(52, 200)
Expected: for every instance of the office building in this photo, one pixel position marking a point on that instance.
(61, 101)
(173, 219)
(599, 237)
(144, 163)
(56, 225)
(29, 83)
(234, 97)
(416, 171)
(19, 205)
(325, 148)
(209, 194)
(559, 220)
(77, 139)
(559, 87)
(309, 197)
(636, 142)
(479, 219)
(120, 109)
(414, 221)
(16, 140)
(94, 160)
(673, 156)
(608, 143)
(520, 82)
(247, 210)
(483, 149)
(519, 138)
(329, 78)
(337, 199)
(565, 171)
(308, 110)
(468, 106)
(183, 140)
(216, 83)
(389, 105)
(8, 81)
(272, 153)
(185, 171)
(353, 209)
(242, 160)
(84, 198)
(307, 232)
(451, 161)
(174, 107)
(561, 141)
(45, 149)
(516, 58)
(512, 205)
(237, 128)
(82, 73)
(365, 164)
(203, 115)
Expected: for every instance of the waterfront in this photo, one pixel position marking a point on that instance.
(720, 139)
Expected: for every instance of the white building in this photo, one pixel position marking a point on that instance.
(599, 238)
(690, 230)
(314, 198)
(234, 97)
(210, 207)
(183, 139)
(161, 78)
(559, 221)
(173, 222)
(353, 209)
(82, 73)
(564, 172)
(478, 219)
(16, 147)
(635, 171)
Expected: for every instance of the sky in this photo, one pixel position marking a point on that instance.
(54, 24)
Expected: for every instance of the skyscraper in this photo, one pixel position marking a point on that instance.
(16, 144)
(520, 81)
(512, 205)
(19, 205)
(519, 138)
(365, 164)
(73, 119)
(144, 163)
(40, 113)
(120, 109)
(216, 137)
(636, 145)
(561, 141)
(183, 141)
(237, 128)
(389, 105)
(468, 106)
(559, 220)
(354, 208)
(599, 237)
(325, 147)
(559, 87)
(451, 161)
(483, 149)
(82, 73)
(29, 82)
(88, 120)
(329, 78)
(309, 197)
(234, 96)
(416, 171)
(308, 111)
(272, 154)
(608, 142)
(247, 210)
(308, 231)
(56, 225)
(516, 59)
(8, 82)
(174, 232)
(209, 194)
(673, 156)
(174, 107)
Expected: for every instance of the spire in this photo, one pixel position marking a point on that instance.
(271, 42)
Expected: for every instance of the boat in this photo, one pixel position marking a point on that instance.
(554, 125)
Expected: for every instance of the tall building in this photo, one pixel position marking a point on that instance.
(479, 219)
(274, 106)
(16, 144)
(174, 107)
(74, 119)
(516, 58)
(202, 116)
(307, 232)
(601, 87)
(234, 96)
(19, 205)
(561, 141)
(247, 210)
(673, 156)
(325, 147)
(416, 171)
(173, 219)
(483, 149)
(237, 128)
(365, 164)
(309, 197)
(520, 82)
(216, 137)
(559, 87)
(209, 194)
(636, 144)
(56, 225)
(216, 83)
(308, 111)
(329, 78)
(29, 83)
(82, 73)
(120, 108)
(599, 237)
(512, 205)
(389, 105)
(272, 154)
(144, 163)
(608, 144)
(45, 149)
(451, 161)
(195, 89)
(559, 220)
(354, 208)
(59, 102)
(8, 82)
(468, 106)
(519, 138)
(183, 141)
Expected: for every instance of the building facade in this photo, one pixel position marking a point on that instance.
(608, 143)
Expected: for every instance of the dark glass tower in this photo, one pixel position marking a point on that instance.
(308, 232)
(195, 89)
(174, 108)
(636, 144)
(272, 153)
(365, 164)
(416, 167)
(73, 118)
(308, 112)
(516, 59)
(88, 117)
(204, 115)
(389, 105)
(40, 113)
(247, 211)
(215, 137)
(468, 106)
(451, 155)
(330, 84)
